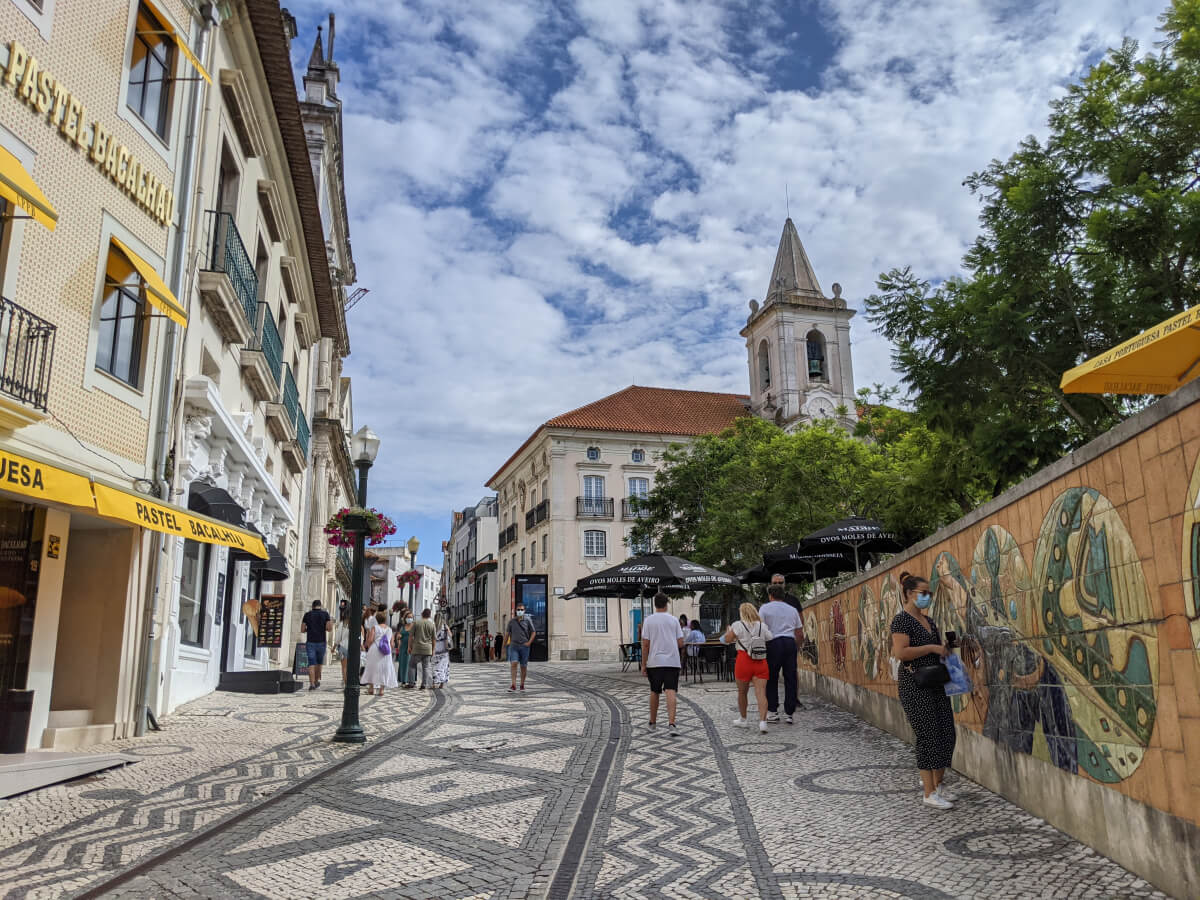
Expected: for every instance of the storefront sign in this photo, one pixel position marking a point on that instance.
(49, 97)
(30, 478)
(270, 620)
(147, 512)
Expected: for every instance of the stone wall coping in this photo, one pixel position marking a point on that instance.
(1159, 411)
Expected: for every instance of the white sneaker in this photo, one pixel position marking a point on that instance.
(740, 722)
(772, 717)
(762, 726)
(789, 720)
(937, 802)
(947, 795)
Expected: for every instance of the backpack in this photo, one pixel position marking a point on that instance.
(384, 647)
(758, 644)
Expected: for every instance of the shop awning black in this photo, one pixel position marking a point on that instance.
(210, 500)
(273, 568)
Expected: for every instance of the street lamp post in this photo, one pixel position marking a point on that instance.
(365, 446)
(413, 546)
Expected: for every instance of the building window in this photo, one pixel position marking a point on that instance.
(593, 495)
(639, 488)
(504, 569)
(593, 454)
(639, 456)
(192, 589)
(639, 546)
(150, 69)
(514, 564)
(532, 554)
(595, 614)
(522, 559)
(815, 344)
(594, 544)
(122, 321)
(545, 547)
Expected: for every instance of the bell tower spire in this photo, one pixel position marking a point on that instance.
(798, 343)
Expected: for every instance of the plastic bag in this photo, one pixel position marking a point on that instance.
(960, 682)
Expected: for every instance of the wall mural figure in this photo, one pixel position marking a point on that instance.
(1191, 562)
(951, 597)
(838, 620)
(808, 650)
(1089, 579)
(866, 648)
(1019, 696)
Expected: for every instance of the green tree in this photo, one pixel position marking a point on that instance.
(1087, 238)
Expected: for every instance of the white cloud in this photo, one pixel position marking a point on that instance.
(550, 201)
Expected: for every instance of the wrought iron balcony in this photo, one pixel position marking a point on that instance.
(508, 536)
(228, 282)
(26, 356)
(529, 520)
(634, 508)
(262, 357)
(594, 507)
(343, 559)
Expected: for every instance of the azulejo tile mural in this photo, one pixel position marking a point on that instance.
(1191, 562)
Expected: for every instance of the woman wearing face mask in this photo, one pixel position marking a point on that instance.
(917, 643)
(402, 632)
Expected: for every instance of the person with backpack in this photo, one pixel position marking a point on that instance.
(662, 641)
(751, 636)
(380, 670)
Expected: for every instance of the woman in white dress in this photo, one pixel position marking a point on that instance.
(380, 671)
(442, 645)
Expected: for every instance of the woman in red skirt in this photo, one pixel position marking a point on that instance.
(751, 636)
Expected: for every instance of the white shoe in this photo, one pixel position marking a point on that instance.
(741, 722)
(762, 726)
(947, 795)
(789, 720)
(772, 717)
(937, 802)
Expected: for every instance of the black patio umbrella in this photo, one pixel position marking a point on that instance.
(808, 563)
(760, 574)
(210, 500)
(861, 534)
(653, 570)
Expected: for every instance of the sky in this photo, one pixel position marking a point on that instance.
(551, 200)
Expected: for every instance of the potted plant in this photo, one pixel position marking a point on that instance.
(346, 524)
(412, 576)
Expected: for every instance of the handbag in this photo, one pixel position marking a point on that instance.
(930, 677)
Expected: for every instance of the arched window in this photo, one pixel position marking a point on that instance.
(764, 366)
(817, 370)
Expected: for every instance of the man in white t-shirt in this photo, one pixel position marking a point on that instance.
(661, 639)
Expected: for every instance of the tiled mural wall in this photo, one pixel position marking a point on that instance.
(1077, 597)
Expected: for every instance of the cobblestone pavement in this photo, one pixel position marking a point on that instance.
(558, 792)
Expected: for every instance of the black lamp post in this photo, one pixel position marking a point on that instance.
(413, 546)
(365, 446)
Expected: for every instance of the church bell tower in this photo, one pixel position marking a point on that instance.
(798, 344)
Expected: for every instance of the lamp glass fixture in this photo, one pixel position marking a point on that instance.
(413, 545)
(365, 445)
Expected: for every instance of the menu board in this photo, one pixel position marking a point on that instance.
(270, 620)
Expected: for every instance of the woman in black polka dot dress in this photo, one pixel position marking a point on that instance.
(916, 642)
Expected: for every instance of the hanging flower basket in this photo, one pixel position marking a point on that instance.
(412, 576)
(346, 524)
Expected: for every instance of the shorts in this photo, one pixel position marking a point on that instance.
(663, 678)
(747, 669)
(316, 654)
(518, 653)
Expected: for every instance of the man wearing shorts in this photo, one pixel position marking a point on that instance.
(661, 639)
(519, 635)
(316, 625)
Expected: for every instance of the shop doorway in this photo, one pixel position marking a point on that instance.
(19, 555)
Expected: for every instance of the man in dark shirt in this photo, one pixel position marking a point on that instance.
(789, 599)
(316, 624)
(519, 635)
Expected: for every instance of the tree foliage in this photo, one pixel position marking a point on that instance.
(1087, 238)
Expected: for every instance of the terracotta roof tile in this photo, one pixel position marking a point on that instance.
(649, 410)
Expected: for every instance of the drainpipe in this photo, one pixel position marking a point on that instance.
(166, 411)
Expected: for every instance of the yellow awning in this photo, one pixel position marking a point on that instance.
(42, 481)
(157, 291)
(147, 512)
(179, 40)
(18, 188)
(1157, 361)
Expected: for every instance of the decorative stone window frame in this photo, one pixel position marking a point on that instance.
(592, 454)
(270, 201)
(240, 108)
(42, 18)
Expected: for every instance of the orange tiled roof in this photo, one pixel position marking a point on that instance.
(649, 410)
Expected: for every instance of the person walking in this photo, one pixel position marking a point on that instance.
(402, 658)
(443, 643)
(662, 643)
(750, 666)
(341, 643)
(917, 644)
(316, 625)
(784, 623)
(519, 635)
(420, 648)
(498, 646)
(379, 672)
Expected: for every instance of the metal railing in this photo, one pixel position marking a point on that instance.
(26, 354)
(634, 508)
(302, 434)
(529, 520)
(594, 507)
(295, 413)
(343, 559)
(266, 338)
(227, 253)
(542, 511)
(508, 536)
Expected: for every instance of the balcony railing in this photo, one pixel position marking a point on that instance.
(302, 434)
(634, 508)
(508, 536)
(268, 341)
(26, 354)
(594, 507)
(541, 511)
(530, 520)
(228, 254)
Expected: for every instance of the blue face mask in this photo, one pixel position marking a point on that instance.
(924, 600)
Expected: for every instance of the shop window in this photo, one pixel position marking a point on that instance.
(593, 454)
(594, 544)
(595, 614)
(150, 72)
(122, 321)
(193, 586)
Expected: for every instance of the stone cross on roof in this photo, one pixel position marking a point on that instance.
(793, 273)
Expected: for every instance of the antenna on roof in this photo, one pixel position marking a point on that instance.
(787, 200)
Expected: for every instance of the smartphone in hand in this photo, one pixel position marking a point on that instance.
(951, 639)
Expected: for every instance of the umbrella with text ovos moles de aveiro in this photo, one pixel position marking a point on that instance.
(860, 534)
